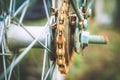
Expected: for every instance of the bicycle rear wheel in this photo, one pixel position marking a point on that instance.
(13, 25)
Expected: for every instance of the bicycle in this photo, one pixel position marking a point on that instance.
(64, 34)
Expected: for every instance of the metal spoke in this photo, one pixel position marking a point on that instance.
(14, 2)
(20, 8)
(7, 20)
(48, 17)
(91, 4)
(4, 62)
(24, 11)
(5, 54)
(3, 48)
(53, 3)
(48, 72)
(46, 10)
(11, 68)
(18, 59)
(52, 70)
(34, 37)
(10, 7)
(44, 60)
(84, 3)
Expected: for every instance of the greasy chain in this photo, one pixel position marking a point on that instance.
(60, 37)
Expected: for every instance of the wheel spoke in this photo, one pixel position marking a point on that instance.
(53, 3)
(90, 4)
(10, 7)
(46, 10)
(4, 61)
(34, 37)
(48, 72)
(48, 17)
(24, 11)
(14, 4)
(21, 8)
(18, 59)
(44, 60)
(11, 68)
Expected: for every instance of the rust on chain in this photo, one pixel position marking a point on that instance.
(63, 51)
(60, 38)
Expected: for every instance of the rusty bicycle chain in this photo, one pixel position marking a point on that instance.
(60, 37)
